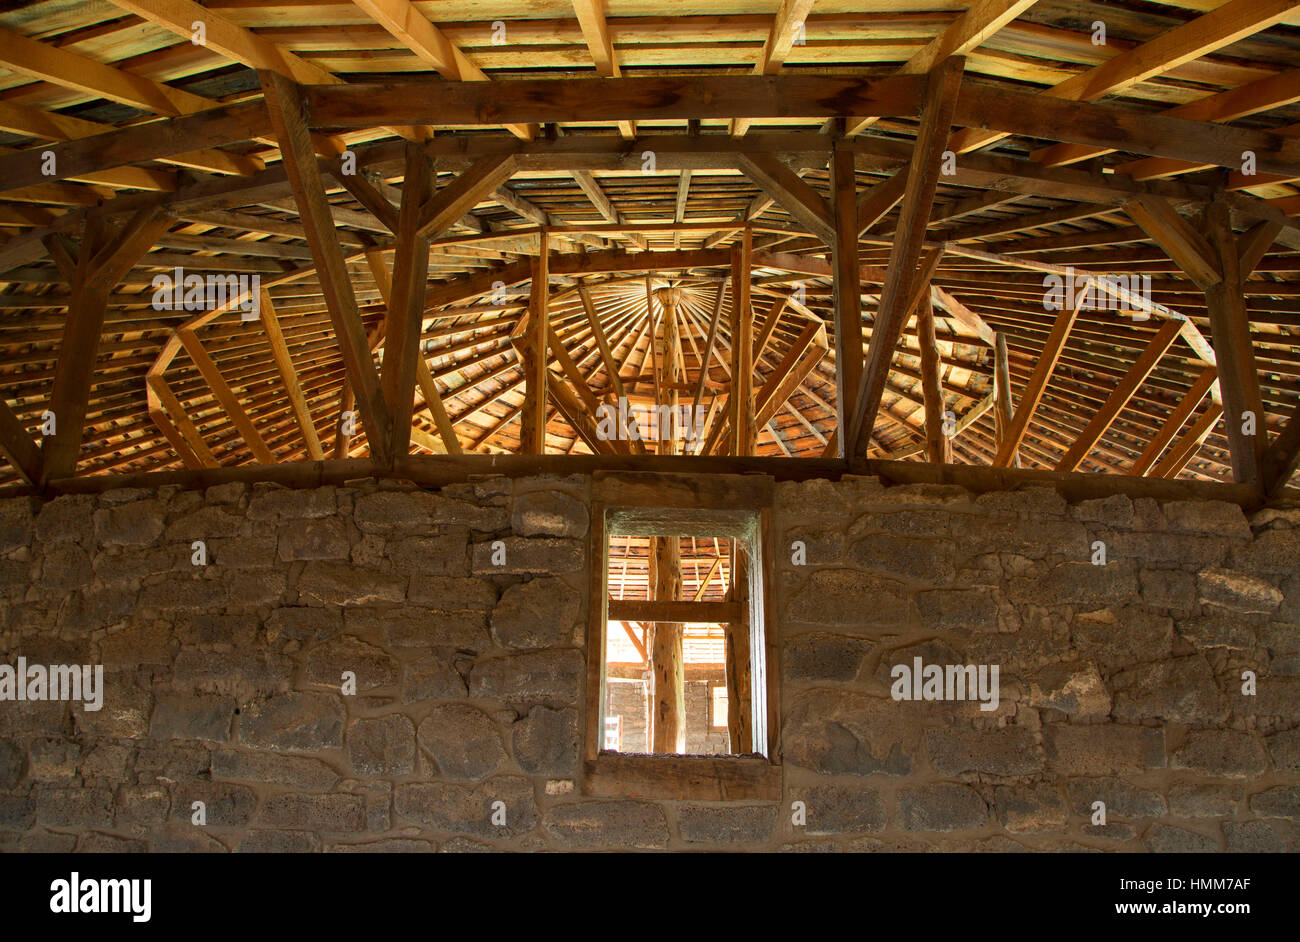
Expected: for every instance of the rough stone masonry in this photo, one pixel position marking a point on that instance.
(1120, 683)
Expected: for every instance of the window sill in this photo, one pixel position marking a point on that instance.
(700, 778)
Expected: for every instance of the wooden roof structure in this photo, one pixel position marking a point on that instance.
(833, 227)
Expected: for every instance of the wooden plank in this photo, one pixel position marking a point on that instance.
(225, 396)
(1174, 423)
(1012, 112)
(50, 63)
(1038, 380)
(674, 611)
(1118, 400)
(1271, 91)
(1254, 244)
(741, 402)
(923, 177)
(405, 316)
(937, 445)
(289, 376)
(170, 407)
(964, 315)
(706, 356)
(693, 778)
(769, 325)
(598, 330)
(18, 446)
(790, 372)
(437, 410)
(800, 200)
(740, 705)
(533, 430)
(284, 104)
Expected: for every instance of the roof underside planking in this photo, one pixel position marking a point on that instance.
(643, 158)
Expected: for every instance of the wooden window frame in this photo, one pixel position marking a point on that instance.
(737, 506)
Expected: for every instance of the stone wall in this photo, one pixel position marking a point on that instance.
(1119, 683)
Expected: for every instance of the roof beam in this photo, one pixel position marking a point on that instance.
(409, 26)
(1272, 91)
(18, 446)
(289, 376)
(595, 30)
(1178, 416)
(405, 316)
(1128, 386)
(981, 20)
(458, 197)
(800, 200)
(1038, 380)
(225, 396)
(603, 205)
(1231, 21)
(896, 296)
(284, 104)
(786, 24)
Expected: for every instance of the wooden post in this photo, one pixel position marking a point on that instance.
(1234, 351)
(742, 348)
(847, 288)
(668, 718)
(938, 446)
(532, 436)
(668, 299)
(1002, 388)
(739, 694)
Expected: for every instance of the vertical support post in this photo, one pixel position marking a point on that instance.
(847, 289)
(742, 348)
(532, 436)
(669, 715)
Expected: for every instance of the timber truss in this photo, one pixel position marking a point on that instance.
(850, 260)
